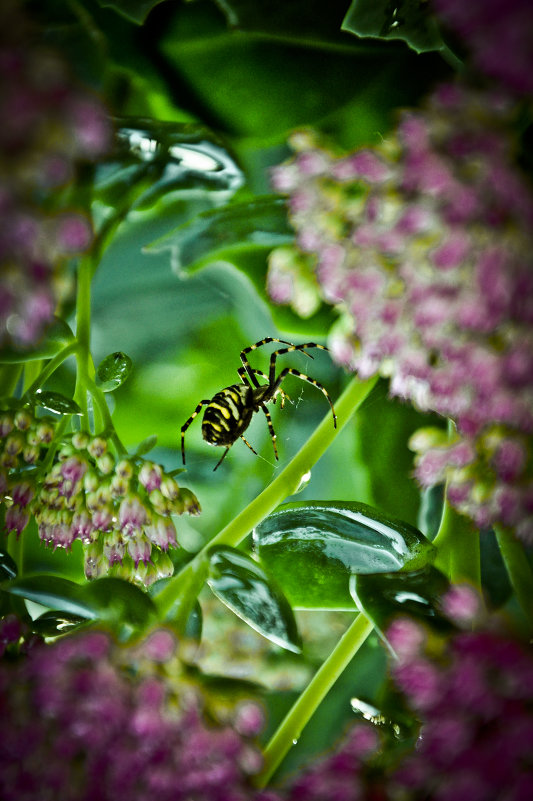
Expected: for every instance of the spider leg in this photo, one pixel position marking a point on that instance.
(244, 378)
(250, 371)
(291, 371)
(220, 460)
(271, 428)
(247, 443)
(187, 423)
(281, 351)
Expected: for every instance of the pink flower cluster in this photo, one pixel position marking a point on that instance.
(499, 36)
(85, 719)
(120, 510)
(474, 697)
(48, 126)
(425, 245)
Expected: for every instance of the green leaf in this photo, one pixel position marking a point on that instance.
(54, 402)
(218, 234)
(54, 592)
(385, 596)
(117, 601)
(431, 508)
(113, 371)
(242, 234)
(244, 587)
(259, 87)
(313, 547)
(410, 20)
(54, 624)
(8, 568)
(57, 336)
(152, 159)
(112, 600)
(134, 10)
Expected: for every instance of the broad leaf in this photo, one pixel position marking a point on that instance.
(54, 592)
(152, 159)
(54, 624)
(54, 402)
(112, 600)
(313, 547)
(260, 224)
(113, 371)
(117, 601)
(244, 587)
(386, 596)
(410, 20)
(134, 10)
(242, 234)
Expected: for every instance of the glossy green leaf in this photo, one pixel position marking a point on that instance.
(152, 159)
(54, 592)
(57, 337)
(313, 547)
(410, 20)
(431, 508)
(8, 567)
(55, 402)
(244, 587)
(54, 624)
(112, 600)
(113, 371)
(385, 596)
(260, 224)
(134, 10)
(117, 601)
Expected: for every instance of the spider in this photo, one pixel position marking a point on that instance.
(230, 411)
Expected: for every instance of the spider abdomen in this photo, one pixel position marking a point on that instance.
(228, 415)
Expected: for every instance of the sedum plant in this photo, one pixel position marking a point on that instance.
(174, 180)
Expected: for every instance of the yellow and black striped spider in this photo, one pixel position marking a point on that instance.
(230, 411)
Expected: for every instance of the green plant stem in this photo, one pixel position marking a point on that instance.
(106, 420)
(83, 333)
(286, 483)
(518, 569)
(457, 544)
(51, 367)
(298, 716)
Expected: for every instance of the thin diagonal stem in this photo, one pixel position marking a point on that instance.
(301, 712)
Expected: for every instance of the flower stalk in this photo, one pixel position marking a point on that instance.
(301, 712)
